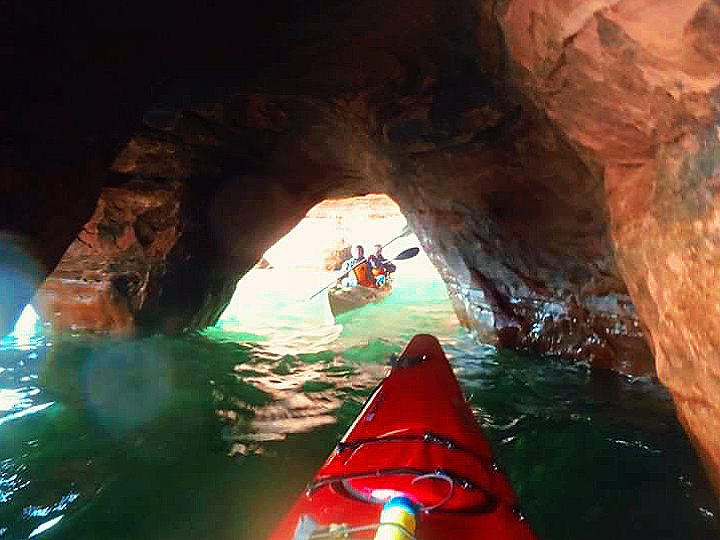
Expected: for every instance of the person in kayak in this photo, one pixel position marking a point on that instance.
(356, 271)
(380, 266)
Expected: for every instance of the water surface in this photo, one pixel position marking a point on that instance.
(212, 436)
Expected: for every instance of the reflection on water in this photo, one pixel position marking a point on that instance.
(212, 436)
(300, 396)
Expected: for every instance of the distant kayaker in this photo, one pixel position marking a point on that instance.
(380, 266)
(356, 271)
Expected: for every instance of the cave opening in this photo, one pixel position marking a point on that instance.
(283, 301)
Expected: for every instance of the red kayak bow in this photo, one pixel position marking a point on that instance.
(416, 441)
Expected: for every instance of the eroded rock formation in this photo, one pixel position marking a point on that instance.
(559, 161)
(651, 71)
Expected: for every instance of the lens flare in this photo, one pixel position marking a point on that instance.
(127, 385)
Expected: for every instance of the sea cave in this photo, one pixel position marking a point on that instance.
(559, 163)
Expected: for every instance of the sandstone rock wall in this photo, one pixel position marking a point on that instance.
(636, 87)
(105, 276)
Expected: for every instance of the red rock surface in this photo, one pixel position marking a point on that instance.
(636, 86)
(103, 279)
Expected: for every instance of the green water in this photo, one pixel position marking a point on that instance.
(212, 436)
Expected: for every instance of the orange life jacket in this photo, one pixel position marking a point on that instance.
(363, 275)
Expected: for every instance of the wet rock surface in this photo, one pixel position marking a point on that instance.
(558, 161)
(652, 73)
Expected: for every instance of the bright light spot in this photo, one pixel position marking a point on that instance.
(25, 412)
(43, 511)
(26, 332)
(45, 526)
(11, 399)
(20, 274)
(26, 323)
(385, 494)
(331, 225)
(706, 513)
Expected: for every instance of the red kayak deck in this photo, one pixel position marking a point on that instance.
(416, 437)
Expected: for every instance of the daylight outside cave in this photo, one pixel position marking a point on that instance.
(283, 288)
(323, 239)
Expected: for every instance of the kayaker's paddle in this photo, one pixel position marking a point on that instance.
(409, 253)
(403, 255)
(406, 231)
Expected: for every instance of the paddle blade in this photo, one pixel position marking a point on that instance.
(407, 254)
